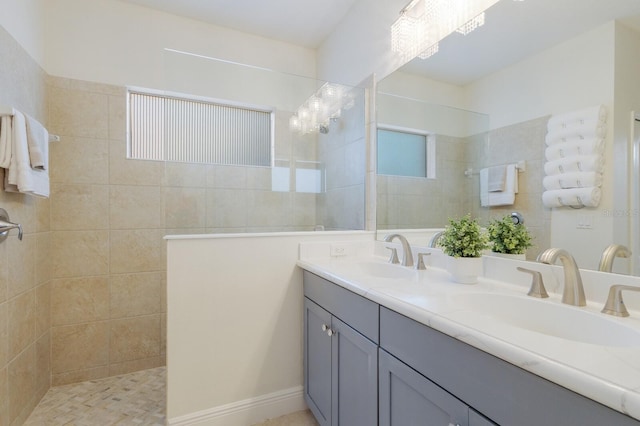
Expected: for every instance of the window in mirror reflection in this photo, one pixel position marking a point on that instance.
(404, 152)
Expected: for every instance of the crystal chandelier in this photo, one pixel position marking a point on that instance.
(423, 23)
(321, 107)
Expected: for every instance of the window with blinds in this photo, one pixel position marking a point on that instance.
(171, 128)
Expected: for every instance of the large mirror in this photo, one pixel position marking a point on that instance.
(530, 60)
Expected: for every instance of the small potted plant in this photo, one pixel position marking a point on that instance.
(464, 241)
(509, 239)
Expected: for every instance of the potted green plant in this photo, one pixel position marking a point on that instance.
(463, 241)
(508, 238)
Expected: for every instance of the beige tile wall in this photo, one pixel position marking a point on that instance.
(518, 142)
(108, 218)
(409, 202)
(25, 266)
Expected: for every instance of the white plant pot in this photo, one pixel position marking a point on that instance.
(464, 270)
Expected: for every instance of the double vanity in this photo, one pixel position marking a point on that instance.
(392, 345)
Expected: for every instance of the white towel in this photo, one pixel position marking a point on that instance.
(597, 113)
(21, 177)
(577, 197)
(38, 143)
(572, 180)
(6, 141)
(496, 178)
(578, 163)
(594, 146)
(503, 198)
(587, 130)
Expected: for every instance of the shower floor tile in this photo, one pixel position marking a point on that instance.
(131, 399)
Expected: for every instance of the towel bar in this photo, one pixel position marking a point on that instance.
(8, 111)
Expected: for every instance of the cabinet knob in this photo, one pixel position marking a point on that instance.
(330, 332)
(325, 327)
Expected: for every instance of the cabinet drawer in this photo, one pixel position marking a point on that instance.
(358, 312)
(503, 392)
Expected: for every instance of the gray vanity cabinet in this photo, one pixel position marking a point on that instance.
(409, 399)
(340, 363)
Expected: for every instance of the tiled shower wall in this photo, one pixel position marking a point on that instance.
(343, 152)
(521, 142)
(24, 265)
(108, 218)
(423, 203)
(409, 202)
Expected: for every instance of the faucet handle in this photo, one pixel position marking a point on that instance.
(615, 304)
(537, 285)
(394, 255)
(420, 263)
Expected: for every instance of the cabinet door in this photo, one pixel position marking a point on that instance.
(477, 419)
(409, 399)
(317, 362)
(355, 377)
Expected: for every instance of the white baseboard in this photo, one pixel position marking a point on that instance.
(246, 412)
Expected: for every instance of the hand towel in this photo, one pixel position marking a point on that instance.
(21, 177)
(596, 113)
(578, 163)
(504, 198)
(572, 180)
(594, 146)
(496, 178)
(38, 144)
(580, 131)
(576, 197)
(6, 141)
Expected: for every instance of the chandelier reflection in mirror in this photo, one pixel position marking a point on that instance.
(424, 23)
(316, 113)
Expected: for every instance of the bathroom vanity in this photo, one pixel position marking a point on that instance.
(373, 356)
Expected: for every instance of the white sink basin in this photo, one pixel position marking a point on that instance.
(374, 269)
(549, 318)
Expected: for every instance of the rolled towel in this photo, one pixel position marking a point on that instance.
(577, 197)
(578, 131)
(574, 147)
(578, 163)
(572, 180)
(597, 113)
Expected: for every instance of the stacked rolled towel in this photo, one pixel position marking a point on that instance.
(572, 180)
(575, 197)
(578, 163)
(573, 147)
(575, 162)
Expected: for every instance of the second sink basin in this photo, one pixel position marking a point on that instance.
(549, 318)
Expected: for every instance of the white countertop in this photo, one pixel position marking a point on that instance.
(607, 374)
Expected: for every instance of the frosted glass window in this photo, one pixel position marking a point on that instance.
(402, 153)
(173, 128)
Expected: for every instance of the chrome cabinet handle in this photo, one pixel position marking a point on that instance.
(328, 329)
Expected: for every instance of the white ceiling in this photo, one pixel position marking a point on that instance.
(513, 29)
(301, 22)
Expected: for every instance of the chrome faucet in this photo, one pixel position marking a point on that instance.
(573, 293)
(610, 253)
(433, 242)
(407, 257)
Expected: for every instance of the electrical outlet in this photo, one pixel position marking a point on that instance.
(338, 250)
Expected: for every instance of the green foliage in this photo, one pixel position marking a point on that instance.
(507, 237)
(463, 238)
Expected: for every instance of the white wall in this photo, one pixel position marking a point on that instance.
(361, 44)
(234, 328)
(113, 42)
(576, 74)
(572, 75)
(627, 99)
(25, 21)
